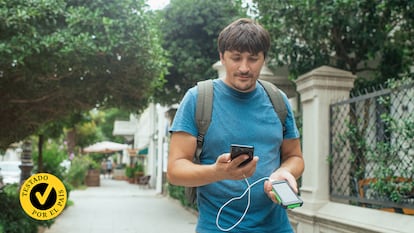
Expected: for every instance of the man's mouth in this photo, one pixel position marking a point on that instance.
(244, 76)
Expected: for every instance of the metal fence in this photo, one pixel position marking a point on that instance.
(371, 150)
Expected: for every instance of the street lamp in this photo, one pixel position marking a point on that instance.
(27, 164)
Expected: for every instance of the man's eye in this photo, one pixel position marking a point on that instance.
(235, 58)
(253, 58)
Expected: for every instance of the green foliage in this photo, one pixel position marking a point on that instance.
(78, 170)
(190, 30)
(387, 156)
(380, 149)
(67, 56)
(53, 155)
(97, 159)
(12, 217)
(178, 192)
(97, 125)
(87, 133)
(139, 167)
(107, 125)
(351, 35)
(130, 171)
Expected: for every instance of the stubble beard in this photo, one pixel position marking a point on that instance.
(244, 82)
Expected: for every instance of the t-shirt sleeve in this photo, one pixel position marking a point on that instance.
(184, 120)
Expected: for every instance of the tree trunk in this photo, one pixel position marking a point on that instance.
(40, 157)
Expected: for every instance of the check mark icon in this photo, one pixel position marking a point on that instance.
(42, 198)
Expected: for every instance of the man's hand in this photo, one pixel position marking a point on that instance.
(279, 174)
(228, 169)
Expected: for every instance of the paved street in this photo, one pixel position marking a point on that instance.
(119, 207)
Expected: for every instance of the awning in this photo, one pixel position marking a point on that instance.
(105, 147)
(143, 151)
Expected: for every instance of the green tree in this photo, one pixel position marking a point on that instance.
(190, 30)
(351, 35)
(107, 124)
(87, 133)
(63, 56)
(97, 126)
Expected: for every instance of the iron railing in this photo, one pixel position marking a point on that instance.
(372, 150)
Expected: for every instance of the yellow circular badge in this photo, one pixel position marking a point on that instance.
(43, 196)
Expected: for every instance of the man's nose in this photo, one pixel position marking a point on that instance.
(244, 67)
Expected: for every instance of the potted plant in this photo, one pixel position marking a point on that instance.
(134, 172)
(129, 173)
(139, 170)
(93, 174)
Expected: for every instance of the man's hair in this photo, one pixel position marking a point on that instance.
(244, 35)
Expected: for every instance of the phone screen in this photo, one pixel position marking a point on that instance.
(285, 194)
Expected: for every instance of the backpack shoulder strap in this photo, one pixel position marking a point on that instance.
(204, 109)
(277, 100)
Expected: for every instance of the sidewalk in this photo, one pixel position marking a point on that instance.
(117, 206)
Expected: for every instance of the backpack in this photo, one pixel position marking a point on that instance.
(204, 109)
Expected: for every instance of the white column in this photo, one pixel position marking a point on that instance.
(162, 134)
(152, 146)
(318, 89)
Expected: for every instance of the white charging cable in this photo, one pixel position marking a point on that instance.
(238, 198)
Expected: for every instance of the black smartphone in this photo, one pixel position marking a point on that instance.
(237, 150)
(285, 195)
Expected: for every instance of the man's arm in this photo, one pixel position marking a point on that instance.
(291, 157)
(182, 171)
(291, 168)
(181, 168)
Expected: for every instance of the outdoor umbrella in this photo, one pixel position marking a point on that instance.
(105, 147)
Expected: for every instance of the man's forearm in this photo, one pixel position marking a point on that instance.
(294, 165)
(185, 173)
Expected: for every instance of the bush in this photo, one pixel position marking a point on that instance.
(78, 170)
(178, 192)
(53, 156)
(12, 217)
(131, 171)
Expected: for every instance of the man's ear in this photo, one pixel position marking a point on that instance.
(221, 58)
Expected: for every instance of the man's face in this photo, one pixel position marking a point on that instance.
(242, 69)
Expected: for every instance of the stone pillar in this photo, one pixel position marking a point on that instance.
(27, 164)
(318, 89)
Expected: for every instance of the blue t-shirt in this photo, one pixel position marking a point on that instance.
(239, 118)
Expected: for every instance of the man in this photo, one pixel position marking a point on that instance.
(242, 114)
(109, 168)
